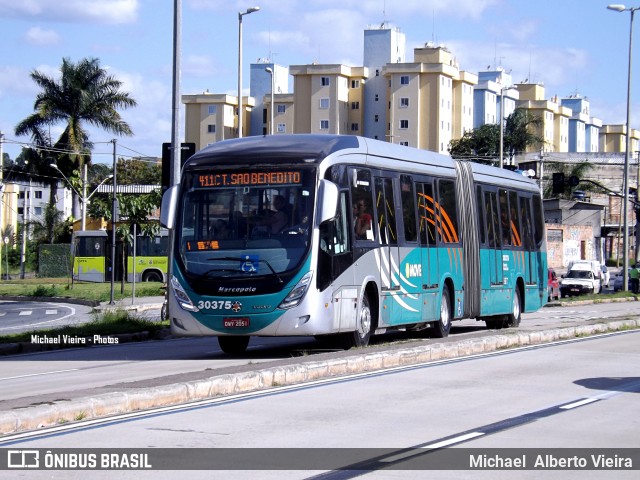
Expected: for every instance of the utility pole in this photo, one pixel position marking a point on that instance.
(114, 214)
(1, 193)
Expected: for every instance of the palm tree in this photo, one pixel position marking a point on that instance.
(83, 95)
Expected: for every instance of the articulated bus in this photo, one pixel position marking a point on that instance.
(344, 237)
(92, 257)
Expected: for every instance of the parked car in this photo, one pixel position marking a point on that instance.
(553, 285)
(578, 282)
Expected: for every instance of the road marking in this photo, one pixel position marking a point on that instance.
(579, 403)
(25, 312)
(39, 374)
(433, 446)
(51, 312)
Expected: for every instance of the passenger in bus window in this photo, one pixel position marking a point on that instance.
(363, 221)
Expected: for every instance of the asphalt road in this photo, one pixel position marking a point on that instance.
(580, 394)
(21, 316)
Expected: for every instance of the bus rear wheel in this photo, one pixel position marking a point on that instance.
(513, 319)
(442, 327)
(233, 345)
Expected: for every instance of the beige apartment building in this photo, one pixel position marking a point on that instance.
(211, 117)
(328, 98)
(555, 118)
(283, 115)
(613, 138)
(430, 100)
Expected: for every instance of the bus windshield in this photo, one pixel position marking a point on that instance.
(245, 223)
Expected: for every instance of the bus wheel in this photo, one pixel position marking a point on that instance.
(152, 277)
(364, 326)
(442, 327)
(233, 345)
(513, 319)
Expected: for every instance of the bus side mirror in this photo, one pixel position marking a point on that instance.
(328, 194)
(168, 207)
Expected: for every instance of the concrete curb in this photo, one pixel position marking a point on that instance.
(101, 406)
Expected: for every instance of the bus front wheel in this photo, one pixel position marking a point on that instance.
(364, 327)
(233, 345)
(442, 327)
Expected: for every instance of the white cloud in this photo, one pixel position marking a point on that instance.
(41, 37)
(98, 11)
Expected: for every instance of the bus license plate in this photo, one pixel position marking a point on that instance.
(236, 322)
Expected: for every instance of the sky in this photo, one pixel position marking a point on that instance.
(571, 46)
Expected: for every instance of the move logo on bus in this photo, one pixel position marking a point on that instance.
(248, 179)
(413, 270)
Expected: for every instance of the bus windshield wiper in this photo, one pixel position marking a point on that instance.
(243, 260)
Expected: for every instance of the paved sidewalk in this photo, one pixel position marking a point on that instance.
(138, 304)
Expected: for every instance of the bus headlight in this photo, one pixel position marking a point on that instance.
(181, 296)
(298, 292)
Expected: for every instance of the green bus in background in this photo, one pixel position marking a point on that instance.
(92, 257)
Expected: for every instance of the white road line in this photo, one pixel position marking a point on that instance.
(39, 374)
(579, 403)
(51, 312)
(25, 312)
(433, 446)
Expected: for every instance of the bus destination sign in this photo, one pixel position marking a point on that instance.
(248, 179)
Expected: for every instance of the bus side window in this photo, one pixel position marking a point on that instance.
(426, 213)
(447, 212)
(493, 223)
(481, 218)
(408, 208)
(362, 212)
(505, 223)
(516, 232)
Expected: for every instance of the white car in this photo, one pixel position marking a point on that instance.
(577, 282)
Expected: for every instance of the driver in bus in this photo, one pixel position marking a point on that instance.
(279, 219)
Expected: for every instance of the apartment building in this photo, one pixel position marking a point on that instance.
(283, 115)
(613, 138)
(583, 129)
(422, 99)
(328, 98)
(265, 74)
(382, 45)
(211, 117)
(492, 93)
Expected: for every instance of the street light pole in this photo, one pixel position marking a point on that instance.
(272, 73)
(240, 15)
(502, 90)
(84, 199)
(625, 174)
(114, 211)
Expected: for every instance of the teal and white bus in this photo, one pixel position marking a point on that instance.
(348, 237)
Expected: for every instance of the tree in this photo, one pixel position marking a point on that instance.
(482, 144)
(138, 172)
(83, 95)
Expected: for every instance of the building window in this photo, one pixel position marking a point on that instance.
(38, 211)
(355, 83)
(211, 129)
(377, 73)
(355, 105)
(376, 118)
(324, 124)
(377, 97)
(282, 127)
(404, 80)
(324, 81)
(404, 102)
(324, 103)
(404, 144)
(213, 109)
(281, 108)
(404, 124)
(355, 127)
(39, 194)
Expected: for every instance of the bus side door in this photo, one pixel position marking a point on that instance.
(388, 251)
(429, 252)
(491, 256)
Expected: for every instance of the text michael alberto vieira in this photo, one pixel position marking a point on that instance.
(591, 461)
